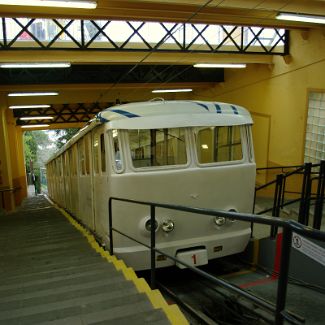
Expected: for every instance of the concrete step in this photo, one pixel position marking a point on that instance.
(49, 274)
(48, 257)
(47, 248)
(69, 280)
(105, 316)
(156, 317)
(14, 271)
(74, 307)
(104, 270)
(38, 275)
(61, 289)
(117, 289)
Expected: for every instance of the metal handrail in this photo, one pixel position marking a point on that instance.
(286, 175)
(284, 167)
(288, 227)
(306, 195)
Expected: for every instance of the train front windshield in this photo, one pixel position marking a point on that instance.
(218, 144)
(211, 145)
(158, 147)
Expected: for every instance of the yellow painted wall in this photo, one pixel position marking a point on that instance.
(12, 170)
(279, 93)
(7, 201)
(15, 136)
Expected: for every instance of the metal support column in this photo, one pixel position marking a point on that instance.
(319, 197)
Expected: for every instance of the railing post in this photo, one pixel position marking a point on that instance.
(283, 276)
(320, 197)
(277, 202)
(252, 223)
(110, 226)
(153, 245)
(305, 193)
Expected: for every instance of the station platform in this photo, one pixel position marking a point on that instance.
(52, 271)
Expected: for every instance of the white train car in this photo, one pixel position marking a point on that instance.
(191, 153)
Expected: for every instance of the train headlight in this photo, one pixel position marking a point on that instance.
(219, 221)
(147, 225)
(168, 225)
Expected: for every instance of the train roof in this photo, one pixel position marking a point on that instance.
(166, 114)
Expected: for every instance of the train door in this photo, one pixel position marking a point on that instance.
(100, 181)
(61, 180)
(66, 181)
(85, 182)
(74, 180)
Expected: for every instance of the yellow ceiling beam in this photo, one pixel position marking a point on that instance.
(112, 57)
(97, 87)
(91, 93)
(239, 12)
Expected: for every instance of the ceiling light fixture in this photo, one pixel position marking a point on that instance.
(36, 65)
(28, 106)
(301, 18)
(29, 118)
(172, 90)
(52, 93)
(52, 3)
(220, 65)
(35, 126)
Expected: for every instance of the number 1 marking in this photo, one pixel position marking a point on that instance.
(194, 259)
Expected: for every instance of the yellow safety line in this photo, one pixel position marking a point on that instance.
(230, 275)
(173, 313)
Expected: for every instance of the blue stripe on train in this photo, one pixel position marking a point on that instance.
(235, 110)
(125, 113)
(101, 119)
(218, 108)
(203, 105)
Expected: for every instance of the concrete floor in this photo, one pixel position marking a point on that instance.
(301, 299)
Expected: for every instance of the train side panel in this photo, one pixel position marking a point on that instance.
(85, 193)
(74, 181)
(101, 180)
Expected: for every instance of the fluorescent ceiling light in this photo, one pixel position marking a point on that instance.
(53, 93)
(35, 126)
(172, 90)
(301, 17)
(52, 3)
(29, 106)
(219, 65)
(36, 65)
(36, 118)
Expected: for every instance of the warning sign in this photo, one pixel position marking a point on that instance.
(308, 248)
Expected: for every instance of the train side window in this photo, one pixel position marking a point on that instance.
(70, 162)
(87, 159)
(60, 166)
(117, 151)
(158, 147)
(249, 143)
(75, 160)
(95, 153)
(81, 156)
(102, 153)
(66, 168)
(218, 144)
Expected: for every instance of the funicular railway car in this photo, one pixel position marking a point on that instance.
(190, 153)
